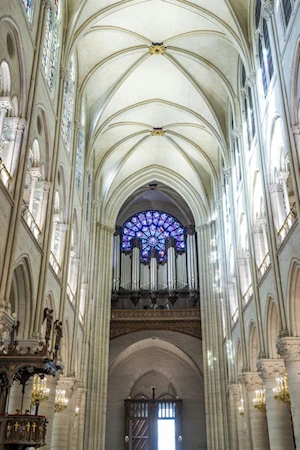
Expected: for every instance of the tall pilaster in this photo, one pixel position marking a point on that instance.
(214, 370)
(233, 390)
(278, 414)
(99, 341)
(289, 349)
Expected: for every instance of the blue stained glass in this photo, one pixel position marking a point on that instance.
(68, 105)
(28, 4)
(153, 227)
(50, 47)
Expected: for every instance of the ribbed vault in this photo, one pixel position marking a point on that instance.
(166, 108)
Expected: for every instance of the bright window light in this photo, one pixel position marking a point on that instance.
(166, 434)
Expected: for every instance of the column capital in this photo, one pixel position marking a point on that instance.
(256, 230)
(78, 125)
(190, 229)
(118, 230)
(251, 380)
(153, 253)
(228, 173)
(5, 103)
(262, 222)
(296, 130)
(283, 175)
(68, 384)
(289, 349)
(275, 187)
(47, 3)
(237, 132)
(251, 79)
(21, 124)
(270, 369)
(35, 172)
(63, 227)
(235, 390)
(47, 186)
(268, 9)
(104, 227)
(170, 242)
(63, 73)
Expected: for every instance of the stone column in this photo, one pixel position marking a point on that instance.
(283, 177)
(95, 412)
(47, 409)
(64, 420)
(46, 186)
(135, 264)
(234, 390)
(276, 194)
(258, 247)
(117, 259)
(289, 349)
(35, 174)
(278, 414)
(213, 363)
(191, 258)
(5, 106)
(171, 256)
(258, 419)
(153, 269)
(241, 430)
(62, 228)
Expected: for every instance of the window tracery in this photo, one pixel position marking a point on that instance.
(264, 48)
(79, 158)
(287, 10)
(51, 44)
(152, 228)
(28, 4)
(68, 106)
(249, 108)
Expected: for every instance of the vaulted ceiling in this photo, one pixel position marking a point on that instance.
(167, 108)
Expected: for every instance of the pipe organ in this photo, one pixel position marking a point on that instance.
(154, 263)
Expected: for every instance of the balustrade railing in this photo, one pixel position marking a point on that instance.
(23, 431)
(248, 294)
(265, 264)
(289, 220)
(5, 176)
(30, 220)
(54, 263)
(70, 294)
(235, 315)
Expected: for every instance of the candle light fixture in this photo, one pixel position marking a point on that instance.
(281, 391)
(259, 402)
(61, 402)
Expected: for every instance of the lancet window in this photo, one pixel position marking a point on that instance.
(287, 11)
(68, 106)
(28, 4)
(51, 44)
(79, 158)
(248, 107)
(264, 49)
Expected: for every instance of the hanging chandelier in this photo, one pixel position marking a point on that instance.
(259, 402)
(40, 392)
(281, 391)
(61, 402)
(241, 408)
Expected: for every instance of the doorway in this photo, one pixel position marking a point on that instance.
(153, 424)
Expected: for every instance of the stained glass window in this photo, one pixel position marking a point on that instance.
(28, 4)
(88, 197)
(287, 9)
(67, 114)
(152, 228)
(262, 68)
(268, 49)
(257, 12)
(51, 44)
(79, 158)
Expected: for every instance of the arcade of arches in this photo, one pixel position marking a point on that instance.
(149, 235)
